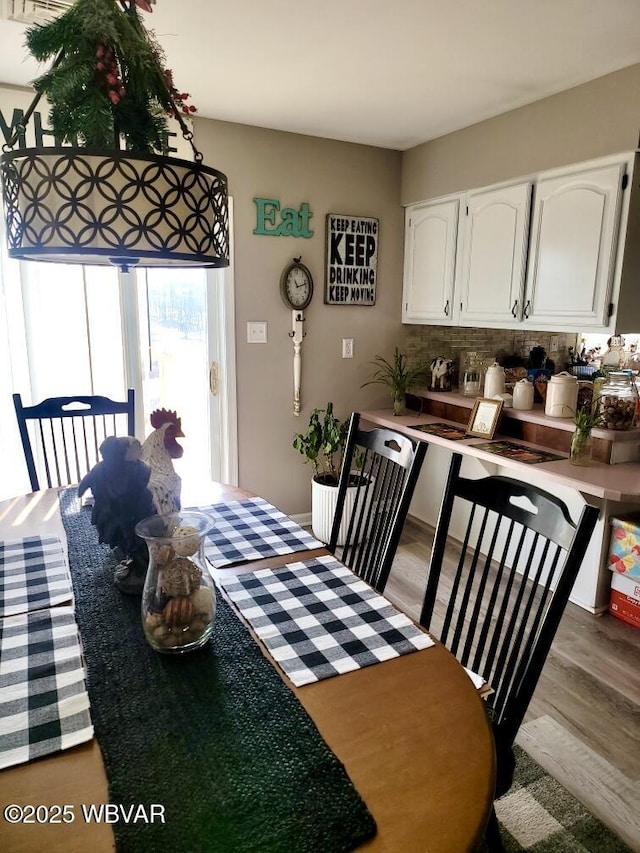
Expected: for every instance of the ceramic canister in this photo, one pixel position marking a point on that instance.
(523, 394)
(562, 396)
(494, 380)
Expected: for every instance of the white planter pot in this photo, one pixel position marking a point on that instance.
(323, 508)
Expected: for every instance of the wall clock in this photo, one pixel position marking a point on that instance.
(296, 285)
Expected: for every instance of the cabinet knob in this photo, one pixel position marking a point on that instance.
(514, 310)
(446, 308)
(525, 310)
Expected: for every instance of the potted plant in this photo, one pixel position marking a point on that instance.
(397, 376)
(586, 418)
(323, 446)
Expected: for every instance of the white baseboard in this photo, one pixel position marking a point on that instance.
(303, 519)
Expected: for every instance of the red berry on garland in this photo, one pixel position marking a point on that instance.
(192, 109)
(114, 97)
(185, 109)
(100, 51)
(99, 66)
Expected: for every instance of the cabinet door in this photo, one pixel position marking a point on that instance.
(431, 232)
(573, 248)
(494, 256)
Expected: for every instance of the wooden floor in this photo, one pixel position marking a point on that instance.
(583, 724)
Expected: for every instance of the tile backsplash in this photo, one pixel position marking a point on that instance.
(426, 342)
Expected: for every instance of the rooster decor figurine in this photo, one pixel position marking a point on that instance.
(132, 482)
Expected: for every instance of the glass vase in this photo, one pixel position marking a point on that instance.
(398, 404)
(580, 451)
(178, 599)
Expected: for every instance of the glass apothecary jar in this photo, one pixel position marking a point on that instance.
(178, 599)
(617, 401)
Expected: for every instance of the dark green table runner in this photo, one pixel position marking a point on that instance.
(214, 736)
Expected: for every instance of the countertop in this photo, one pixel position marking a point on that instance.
(535, 415)
(611, 482)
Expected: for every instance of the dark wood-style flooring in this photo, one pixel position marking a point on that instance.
(583, 724)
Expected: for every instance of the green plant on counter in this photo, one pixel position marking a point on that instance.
(397, 376)
(585, 419)
(323, 444)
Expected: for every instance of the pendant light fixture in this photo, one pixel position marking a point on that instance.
(107, 193)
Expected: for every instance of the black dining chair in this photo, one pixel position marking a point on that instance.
(378, 476)
(514, 560)
(64, 434)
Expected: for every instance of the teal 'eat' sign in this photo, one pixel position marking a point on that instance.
(293, 223)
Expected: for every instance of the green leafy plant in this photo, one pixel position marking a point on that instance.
(108, 79)
(396, 375)
(587, 418)
(323, 444)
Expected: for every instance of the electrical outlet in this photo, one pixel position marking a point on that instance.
(256, 333)
(347, 347)
(554, 343)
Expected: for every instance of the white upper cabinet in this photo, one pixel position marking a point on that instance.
(494, 256)
(574, 235)
(431, 234)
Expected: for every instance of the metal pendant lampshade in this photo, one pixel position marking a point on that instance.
(111, 194)
(73, 205)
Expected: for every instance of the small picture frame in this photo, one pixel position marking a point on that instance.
(484, 417)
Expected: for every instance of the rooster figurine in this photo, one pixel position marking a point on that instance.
(132, 482)
(158, 451)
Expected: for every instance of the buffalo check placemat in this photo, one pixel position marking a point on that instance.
(318, 619)
(34, 574)
(44, 706)
(250, 530)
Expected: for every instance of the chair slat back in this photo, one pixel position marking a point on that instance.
(61, 436)
(513, 571)
(380, 468)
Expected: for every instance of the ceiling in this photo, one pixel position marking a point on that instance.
(389, 74)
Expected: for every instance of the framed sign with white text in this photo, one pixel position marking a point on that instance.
(352, 260)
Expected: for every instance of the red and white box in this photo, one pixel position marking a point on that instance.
(625, 599)
(624, 550)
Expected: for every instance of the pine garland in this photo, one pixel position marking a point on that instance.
(109, 81)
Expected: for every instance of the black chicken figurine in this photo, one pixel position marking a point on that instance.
(132, 482)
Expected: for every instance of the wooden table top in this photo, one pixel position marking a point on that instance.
(411, 732)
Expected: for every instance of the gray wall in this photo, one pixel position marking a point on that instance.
(332, 177)
(592, 120)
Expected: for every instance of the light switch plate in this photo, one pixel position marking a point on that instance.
(256, 333)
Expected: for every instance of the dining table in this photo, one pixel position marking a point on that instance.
(411, 731)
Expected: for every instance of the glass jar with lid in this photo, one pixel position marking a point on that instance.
(617, 400)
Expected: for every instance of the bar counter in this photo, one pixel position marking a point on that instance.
(613, 488)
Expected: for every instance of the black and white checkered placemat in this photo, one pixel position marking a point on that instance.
(317, 619)
(44, 706)
(34, 574)
(252, 529)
